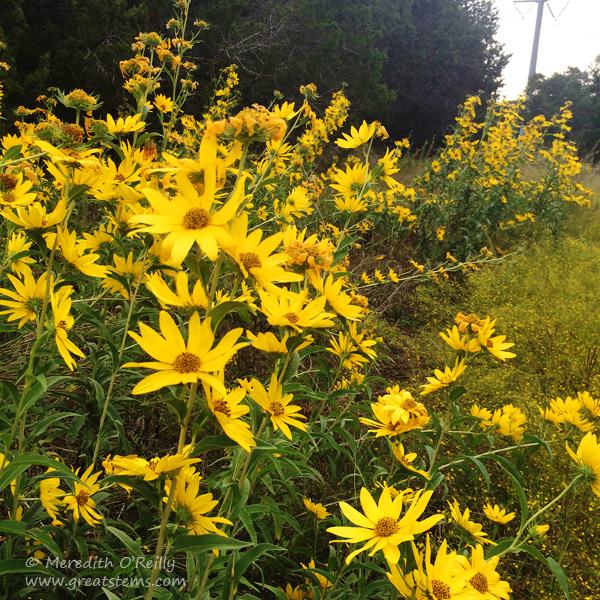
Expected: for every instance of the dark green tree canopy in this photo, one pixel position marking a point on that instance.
(408, 63)
(582, 89)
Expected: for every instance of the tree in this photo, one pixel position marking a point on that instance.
(582, 89)
(447, 52)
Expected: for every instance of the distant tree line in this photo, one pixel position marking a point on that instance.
(582, 89)
(408, 63)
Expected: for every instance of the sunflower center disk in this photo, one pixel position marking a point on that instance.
(250, 260)
(479, 582)
(409, 404)
(8, 182)
(82, 498)
(221, 406)
(277, 409)
(292, 317)
(385, 527)
(186, 362)
(196, 218)
(440, 590)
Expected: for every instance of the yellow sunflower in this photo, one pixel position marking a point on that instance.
(63, 321)
(35, 216)
(357, 137)
(15, 192)
(463, 521)
(289, 310)
(381, 526)
(81, 502)
(190, 509)
(283, 414)
(444, 379)
(482, 578)
(497, 514)
(27, 299)
(316, 508)
(588, 457)
(442, 579)
(150, 469)
(228, 410)
(190, 218)
(179, 362)
(181, 297)
(255, 257)
(351, 182)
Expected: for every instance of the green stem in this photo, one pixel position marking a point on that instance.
(119, 357)
(23, 159)
(205, 578)
(214, 279)
(536, 515)
(188, 415)
(161, 537)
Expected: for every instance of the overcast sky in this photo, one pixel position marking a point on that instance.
(570, 38)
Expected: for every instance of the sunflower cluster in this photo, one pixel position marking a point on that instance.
(185, 302)
(495, 175)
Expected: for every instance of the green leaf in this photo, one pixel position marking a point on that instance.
(456, 393)
(498, 549)
(134, 547)
(12, 527)
(14, 565)
(11, 153)
(520, 493)
(292, 367)
(247, 558)
(560, 575)
(213, 442)
(219, 312)
(207, 543)
(245, 518)
(46, 540)
(42, 385)
(23, 462)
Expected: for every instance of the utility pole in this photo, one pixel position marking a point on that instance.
(536, 37)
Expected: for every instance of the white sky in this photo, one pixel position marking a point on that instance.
(569, 39)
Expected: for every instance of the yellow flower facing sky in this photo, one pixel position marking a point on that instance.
(382, 527)
(357, 137)
(190, 218)
(127, 125)
(290, 309)
(27, 299)
(444, 379)
(497, 514)
(179, 362)
(282, 413)
(482, 579)
(181, 297)
(36, 216)
(81, 502)
(150, 469)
